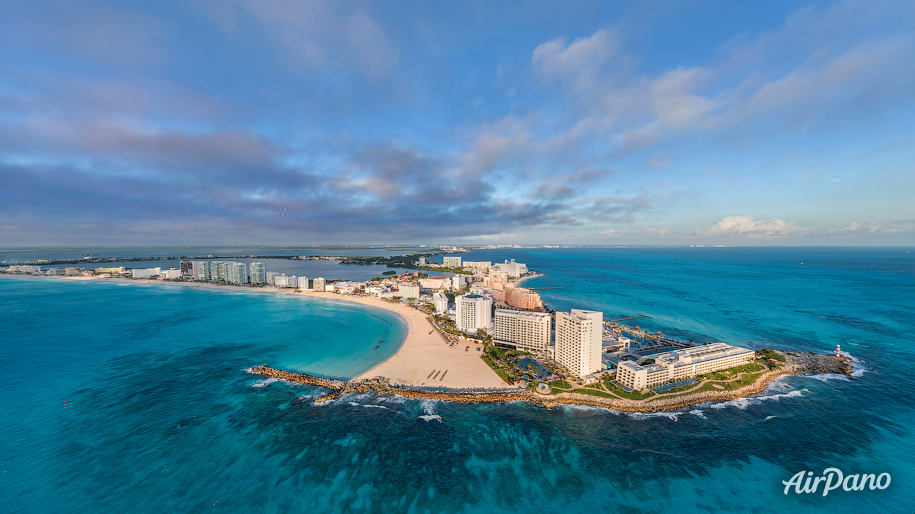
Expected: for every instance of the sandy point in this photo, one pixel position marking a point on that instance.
(424, 358)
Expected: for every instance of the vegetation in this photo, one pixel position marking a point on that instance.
(648, 362)
(498, 369)
(389, 272)
(769, 354)
(561, 384)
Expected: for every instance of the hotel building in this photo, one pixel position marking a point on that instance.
(529, 331)
(146, 272)
(512, 269)
(473, 312)
(318, 284)
(451, 262)
(237, 273)
(578, 341)
(200, 270)
(440, 301)
(257, 271)
(682, 364)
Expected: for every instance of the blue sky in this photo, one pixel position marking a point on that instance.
(307, 122)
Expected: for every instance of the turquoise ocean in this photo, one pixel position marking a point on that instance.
(136, 398)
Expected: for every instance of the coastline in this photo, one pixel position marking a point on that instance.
(382, 386)
(420, 355)
(423, 356)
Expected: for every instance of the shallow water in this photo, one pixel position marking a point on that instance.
(164, 418)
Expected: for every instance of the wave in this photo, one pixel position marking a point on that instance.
(743, 403)
(857, 365)
(571, 407)
(431, 417)
(640, 416)
(368, 405)
(698, 413)
(265, 382)
(770, 417)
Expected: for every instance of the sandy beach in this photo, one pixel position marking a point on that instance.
(419, 357)
(424, 352)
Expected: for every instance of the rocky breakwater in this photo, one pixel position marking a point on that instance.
(511, 395)
(327, 383)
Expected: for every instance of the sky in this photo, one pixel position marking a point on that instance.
(295, 122)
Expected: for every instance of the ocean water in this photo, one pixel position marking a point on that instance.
(136, 398)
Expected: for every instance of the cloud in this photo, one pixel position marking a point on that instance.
(747, 226)
(639, 232)
(580, 63)
(316, 34)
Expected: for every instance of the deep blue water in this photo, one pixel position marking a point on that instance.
(164, 417)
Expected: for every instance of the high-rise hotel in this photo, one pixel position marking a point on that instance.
(578, 341)
(473, 312)
(527, 331)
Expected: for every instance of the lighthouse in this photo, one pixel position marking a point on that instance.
(838, 355)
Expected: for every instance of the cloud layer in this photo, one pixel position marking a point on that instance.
(282, 121)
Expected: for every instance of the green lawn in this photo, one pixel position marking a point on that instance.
(495, 367)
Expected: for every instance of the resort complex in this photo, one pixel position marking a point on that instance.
(682, 364)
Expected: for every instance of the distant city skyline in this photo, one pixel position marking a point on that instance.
(280, 122)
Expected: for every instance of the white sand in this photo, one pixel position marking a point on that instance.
(420, 355)
(423, 353)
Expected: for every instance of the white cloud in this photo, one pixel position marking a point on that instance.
(747, 226)
(638, 232)
(579, 63)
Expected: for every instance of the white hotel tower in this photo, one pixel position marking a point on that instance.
(473, 312)
(578, 341)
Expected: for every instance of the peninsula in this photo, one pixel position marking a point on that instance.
(488, 339)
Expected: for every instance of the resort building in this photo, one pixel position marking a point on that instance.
(257, 271)
(186, 267)
(408, 291)
(139, 273)
(578, 341)
(458, 281)
(512, 269)
(303, 283)
(200, 270)
(521, 298)
(435, 283)
(480, 265)
(451, 262)
(237, 273)
(170, 274)
(681, 364)
(24, 269)
(281, 280)
(72, 272)
(111, 271)
(219, 271)
(473, 312)
(440, 301)
(528, 331)
(318, 284)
